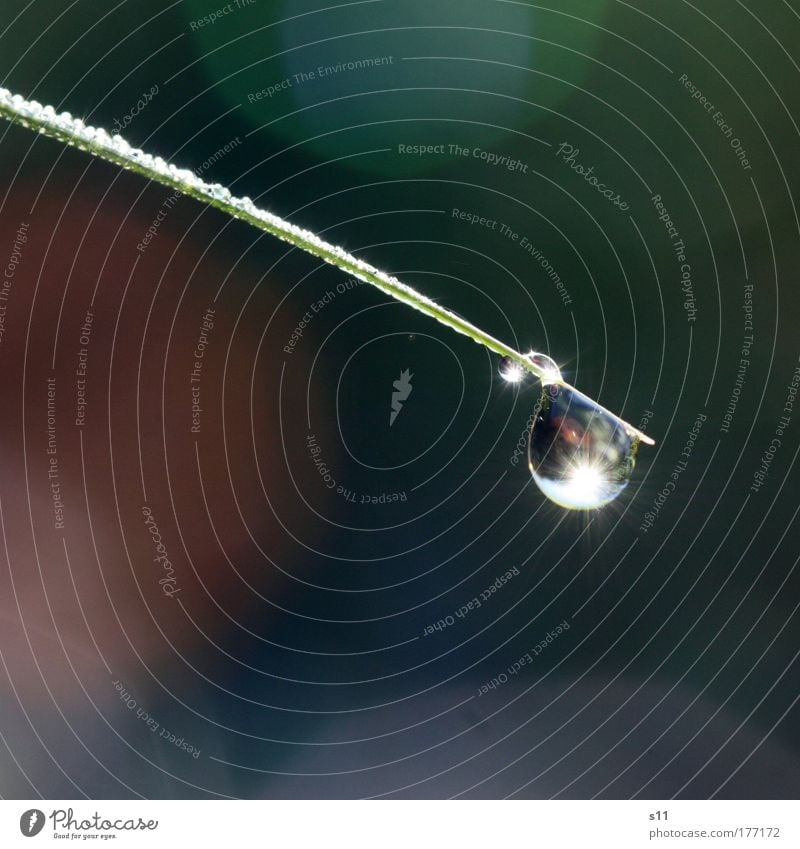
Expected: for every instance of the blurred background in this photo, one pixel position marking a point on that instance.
(229, 571)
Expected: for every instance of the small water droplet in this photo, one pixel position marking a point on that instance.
(580, 455)
(548, 365)
(511, 371)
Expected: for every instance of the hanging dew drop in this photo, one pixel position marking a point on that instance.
(580, 455)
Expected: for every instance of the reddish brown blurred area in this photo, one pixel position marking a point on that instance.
(94, 321)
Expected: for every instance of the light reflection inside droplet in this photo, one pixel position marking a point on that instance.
(511, 371)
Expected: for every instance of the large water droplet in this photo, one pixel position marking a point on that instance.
(580, 455)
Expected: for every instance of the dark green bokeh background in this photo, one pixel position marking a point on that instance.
(695, 618)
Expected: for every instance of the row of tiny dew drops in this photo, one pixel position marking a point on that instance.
(581, 455)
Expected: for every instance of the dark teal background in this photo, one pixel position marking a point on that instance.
(298, 659)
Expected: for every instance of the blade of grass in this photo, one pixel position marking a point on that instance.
(113, 148)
